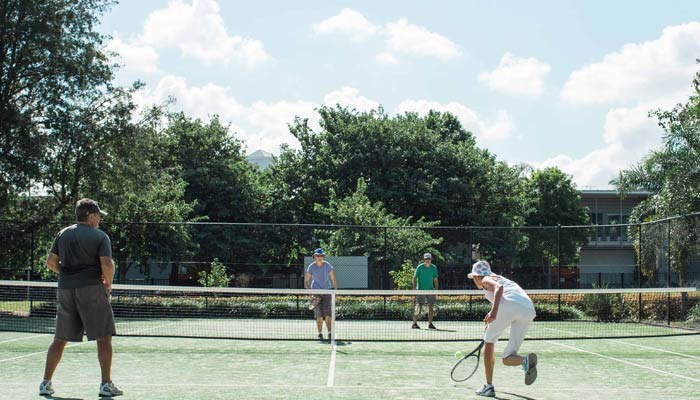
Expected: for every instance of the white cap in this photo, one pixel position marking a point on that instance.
(427, 256)
(480, 268)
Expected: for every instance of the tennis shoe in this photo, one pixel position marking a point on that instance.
(46, 388)
(320, 336)
(530, 367)
(487, 391)
(415, 326)
(109, 389)
(431, 326)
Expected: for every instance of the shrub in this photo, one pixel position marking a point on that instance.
(403, 278)
(605, 306)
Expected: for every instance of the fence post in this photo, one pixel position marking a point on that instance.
(639, 257)
(668, 257)
(559, 257)
(385, 263)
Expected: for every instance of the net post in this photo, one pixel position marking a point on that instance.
(334, 327)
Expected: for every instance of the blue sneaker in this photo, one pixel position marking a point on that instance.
(530, 368)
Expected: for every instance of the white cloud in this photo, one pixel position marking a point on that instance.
(418, 41)
(199, 31)
(399, 37)
(629, 135)
(133, 57)
(386, 58)
(348, 22)
(499, 128)
(350, 97)
(638, 78)
(639, 71)
(260, 125)
(514, 75)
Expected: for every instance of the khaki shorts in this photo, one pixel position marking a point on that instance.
(84, 310)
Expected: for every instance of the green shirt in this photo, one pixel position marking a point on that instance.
(424, 276)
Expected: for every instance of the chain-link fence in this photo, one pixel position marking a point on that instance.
(652, 254)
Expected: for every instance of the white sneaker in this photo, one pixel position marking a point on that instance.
(487, 391)
(109, 389)
(46, 388)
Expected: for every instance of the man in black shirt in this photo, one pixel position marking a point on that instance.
(81, 255)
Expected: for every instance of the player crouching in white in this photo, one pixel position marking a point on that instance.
(510, 306)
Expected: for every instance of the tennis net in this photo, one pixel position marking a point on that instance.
(357, 315)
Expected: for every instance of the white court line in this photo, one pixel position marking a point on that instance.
(331, 368)
(24, 338)
(627, 343)
(366, 387)
(40, 352)
(625, 362)
(77, 344)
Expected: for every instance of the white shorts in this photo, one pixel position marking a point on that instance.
(518, 319)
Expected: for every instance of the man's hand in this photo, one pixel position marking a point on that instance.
(108, 286)
(490, 317)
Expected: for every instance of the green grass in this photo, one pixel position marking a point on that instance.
(166, 368)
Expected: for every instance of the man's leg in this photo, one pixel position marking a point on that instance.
(319, 325)
(489, 361)
(430, 313)
(513, 360)
(328, 324)
(104, 355)
(53, 357)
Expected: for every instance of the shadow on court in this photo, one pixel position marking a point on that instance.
(62, 398)
(515, 395)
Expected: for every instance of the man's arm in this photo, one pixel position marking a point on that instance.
(497, 289)
(435, 283)
(52, 262)
(335, 283)
(307, 278)
(107, 266)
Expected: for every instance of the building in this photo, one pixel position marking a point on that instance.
(261, 158)
(609, 257)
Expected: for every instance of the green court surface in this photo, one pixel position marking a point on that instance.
(177, 368)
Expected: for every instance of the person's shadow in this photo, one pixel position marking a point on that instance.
(516, 395)
(50, 397)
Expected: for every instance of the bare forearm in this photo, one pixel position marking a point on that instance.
(107, 271)
(497, 299)
(53, 267)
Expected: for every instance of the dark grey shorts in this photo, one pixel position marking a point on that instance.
(426, 299)
(323, 309)
(86, 309)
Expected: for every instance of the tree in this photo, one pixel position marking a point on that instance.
(672, 177)
(554, 201)
(421, 167)
(385, 239)
(51, 58)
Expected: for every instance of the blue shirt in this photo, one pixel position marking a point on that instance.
(320, 276)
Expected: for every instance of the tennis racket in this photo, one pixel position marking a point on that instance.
(467, 365)
(315, 299)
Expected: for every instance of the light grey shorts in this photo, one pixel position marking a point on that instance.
(84, 310)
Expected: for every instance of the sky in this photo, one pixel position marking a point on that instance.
(549, 83)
